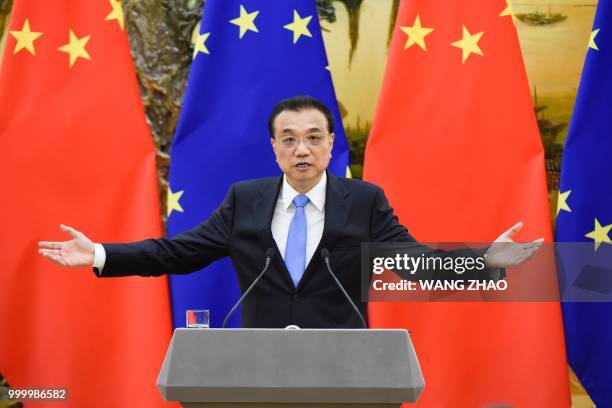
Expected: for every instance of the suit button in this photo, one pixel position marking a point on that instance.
(296, 297)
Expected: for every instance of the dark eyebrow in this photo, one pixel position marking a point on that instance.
(288, 131)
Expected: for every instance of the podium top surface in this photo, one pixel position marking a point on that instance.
(285, 365)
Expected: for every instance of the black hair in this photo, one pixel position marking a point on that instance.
(299, 103)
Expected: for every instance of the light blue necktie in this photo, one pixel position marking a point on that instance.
(295, 251)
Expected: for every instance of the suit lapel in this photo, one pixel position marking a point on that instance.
(263, 211)
(337, 208)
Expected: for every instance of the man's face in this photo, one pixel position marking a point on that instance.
(302, 144)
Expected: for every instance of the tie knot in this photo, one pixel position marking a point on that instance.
(300, 200)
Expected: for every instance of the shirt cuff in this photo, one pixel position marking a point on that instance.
(99, 258)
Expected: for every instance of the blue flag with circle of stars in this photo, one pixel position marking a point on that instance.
(248, 56)
(585, 209)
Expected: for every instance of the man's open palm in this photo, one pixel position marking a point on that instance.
(505, 252)
(76, 253)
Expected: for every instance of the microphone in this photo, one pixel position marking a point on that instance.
(325, 256)
(269, 256)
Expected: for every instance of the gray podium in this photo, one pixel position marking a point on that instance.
(312, 368)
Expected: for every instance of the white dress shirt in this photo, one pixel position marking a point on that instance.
(315, 216)
(283, 214)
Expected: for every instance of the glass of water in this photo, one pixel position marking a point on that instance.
(198, 318)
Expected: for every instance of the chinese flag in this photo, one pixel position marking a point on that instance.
(456, 147)
(76, 150)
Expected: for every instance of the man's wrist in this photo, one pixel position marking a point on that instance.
(487, 259)
(493, 272)
(99, 257)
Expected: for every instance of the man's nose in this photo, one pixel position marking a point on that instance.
(301, 148)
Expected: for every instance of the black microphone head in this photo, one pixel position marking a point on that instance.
(324, 253)
(270, 253)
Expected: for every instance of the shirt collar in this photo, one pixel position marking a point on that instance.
(316, 195)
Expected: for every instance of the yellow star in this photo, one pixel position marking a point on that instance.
(592, 43)
(469, 44)
(200, 44)
(562, 202)
(299, 26)
(416, 34)
(508, 12)
(76, 48)
(600, 234)
(116, 13)
(246, 21)
(172, 201)
(25, 38)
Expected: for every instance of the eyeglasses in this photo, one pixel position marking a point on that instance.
(311, 140)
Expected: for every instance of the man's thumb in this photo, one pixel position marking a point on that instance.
(74, 233)
(514, 229)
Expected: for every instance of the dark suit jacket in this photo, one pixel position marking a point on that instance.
(355, 212)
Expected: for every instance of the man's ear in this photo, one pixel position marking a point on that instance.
(331, 138)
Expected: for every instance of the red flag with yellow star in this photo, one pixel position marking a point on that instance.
(456, 147)
(76, 150)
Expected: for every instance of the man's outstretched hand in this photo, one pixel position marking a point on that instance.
(504, 252)
(76, 253)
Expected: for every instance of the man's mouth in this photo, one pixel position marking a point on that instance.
(303, 165)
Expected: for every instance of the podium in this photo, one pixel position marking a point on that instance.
(301, 368)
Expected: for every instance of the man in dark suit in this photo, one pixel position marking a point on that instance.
(297, 215)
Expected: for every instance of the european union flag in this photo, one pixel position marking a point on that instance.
(585, 210)
(248, 56)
